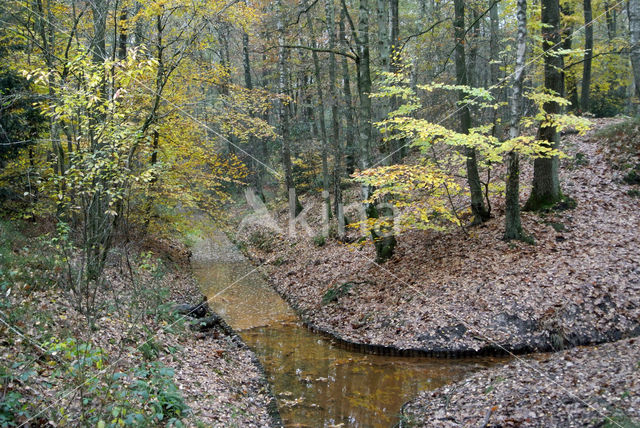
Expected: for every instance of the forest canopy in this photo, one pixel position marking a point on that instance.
(135, 112)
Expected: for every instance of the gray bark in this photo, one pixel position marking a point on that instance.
(546, 182)
(570, 84)
(99, 10)
(364, 85)
(399, 146)
(611, 21)
(473, 71)
(494, 65)
(513, 224)
(294, 205)
(494, 44)
(394, 12)
(480, 213)
(633, 10)
(351, 145)
(254, 143)
(321, 113)
(333, 102)
(588, 55)
(384, 42)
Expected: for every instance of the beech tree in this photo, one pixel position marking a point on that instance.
(513, 225)
(588, 55)
(546, 181)
(633, 9)
(478, 209)
(299, 102)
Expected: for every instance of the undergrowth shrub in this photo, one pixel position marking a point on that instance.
(25, 262)
(336, 292)
(262, 239)
(14, 406)
(623, 143)
(145, 395)
(138, 394)
(607, 103)
(319, 240)
(628, 127)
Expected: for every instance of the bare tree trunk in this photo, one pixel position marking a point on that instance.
(611, 22)
(570, 84)
(399, 144)
(351, 144)
(124, 34)
(394, 16)
(98, 44)
(494, 43)
(384, 42)
(633, 10)
(335, 120)
(321, 114)
(473, 78)
(383, 240)
(546, 181)
(513, 225)
(494, 65)
(364, 85)
(256, 167)
(480, 213)
(294, 204)
(588, 55)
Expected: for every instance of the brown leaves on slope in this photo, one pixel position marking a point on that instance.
(580, 282)
(576, 388)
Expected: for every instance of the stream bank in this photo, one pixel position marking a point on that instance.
(583, 387)
(452, 294)
(136, 362)
(223, 381)
(317, 381)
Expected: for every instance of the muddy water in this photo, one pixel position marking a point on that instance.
(317, 384)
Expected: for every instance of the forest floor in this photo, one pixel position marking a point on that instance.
(458, 293)
(139, 364)
(596, 386)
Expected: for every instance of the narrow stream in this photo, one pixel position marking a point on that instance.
(316, 383)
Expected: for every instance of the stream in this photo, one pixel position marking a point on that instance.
(316, 383)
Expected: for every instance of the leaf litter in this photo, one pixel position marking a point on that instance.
(451, 292)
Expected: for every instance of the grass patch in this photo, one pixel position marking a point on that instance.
(336, 292)
(633, 176)
(319, 241)
(558, 227)
(263, 240)
(25, 262)
(627, 127)
(619, 420)
(580, 159)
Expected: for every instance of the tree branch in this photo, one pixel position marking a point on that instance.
(353, 27)
(619, 52)
(406, 39)
(464, 36)
(303, 11)
(347, 54)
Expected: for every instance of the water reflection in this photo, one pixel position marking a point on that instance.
(316, 382)
(319, 384)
